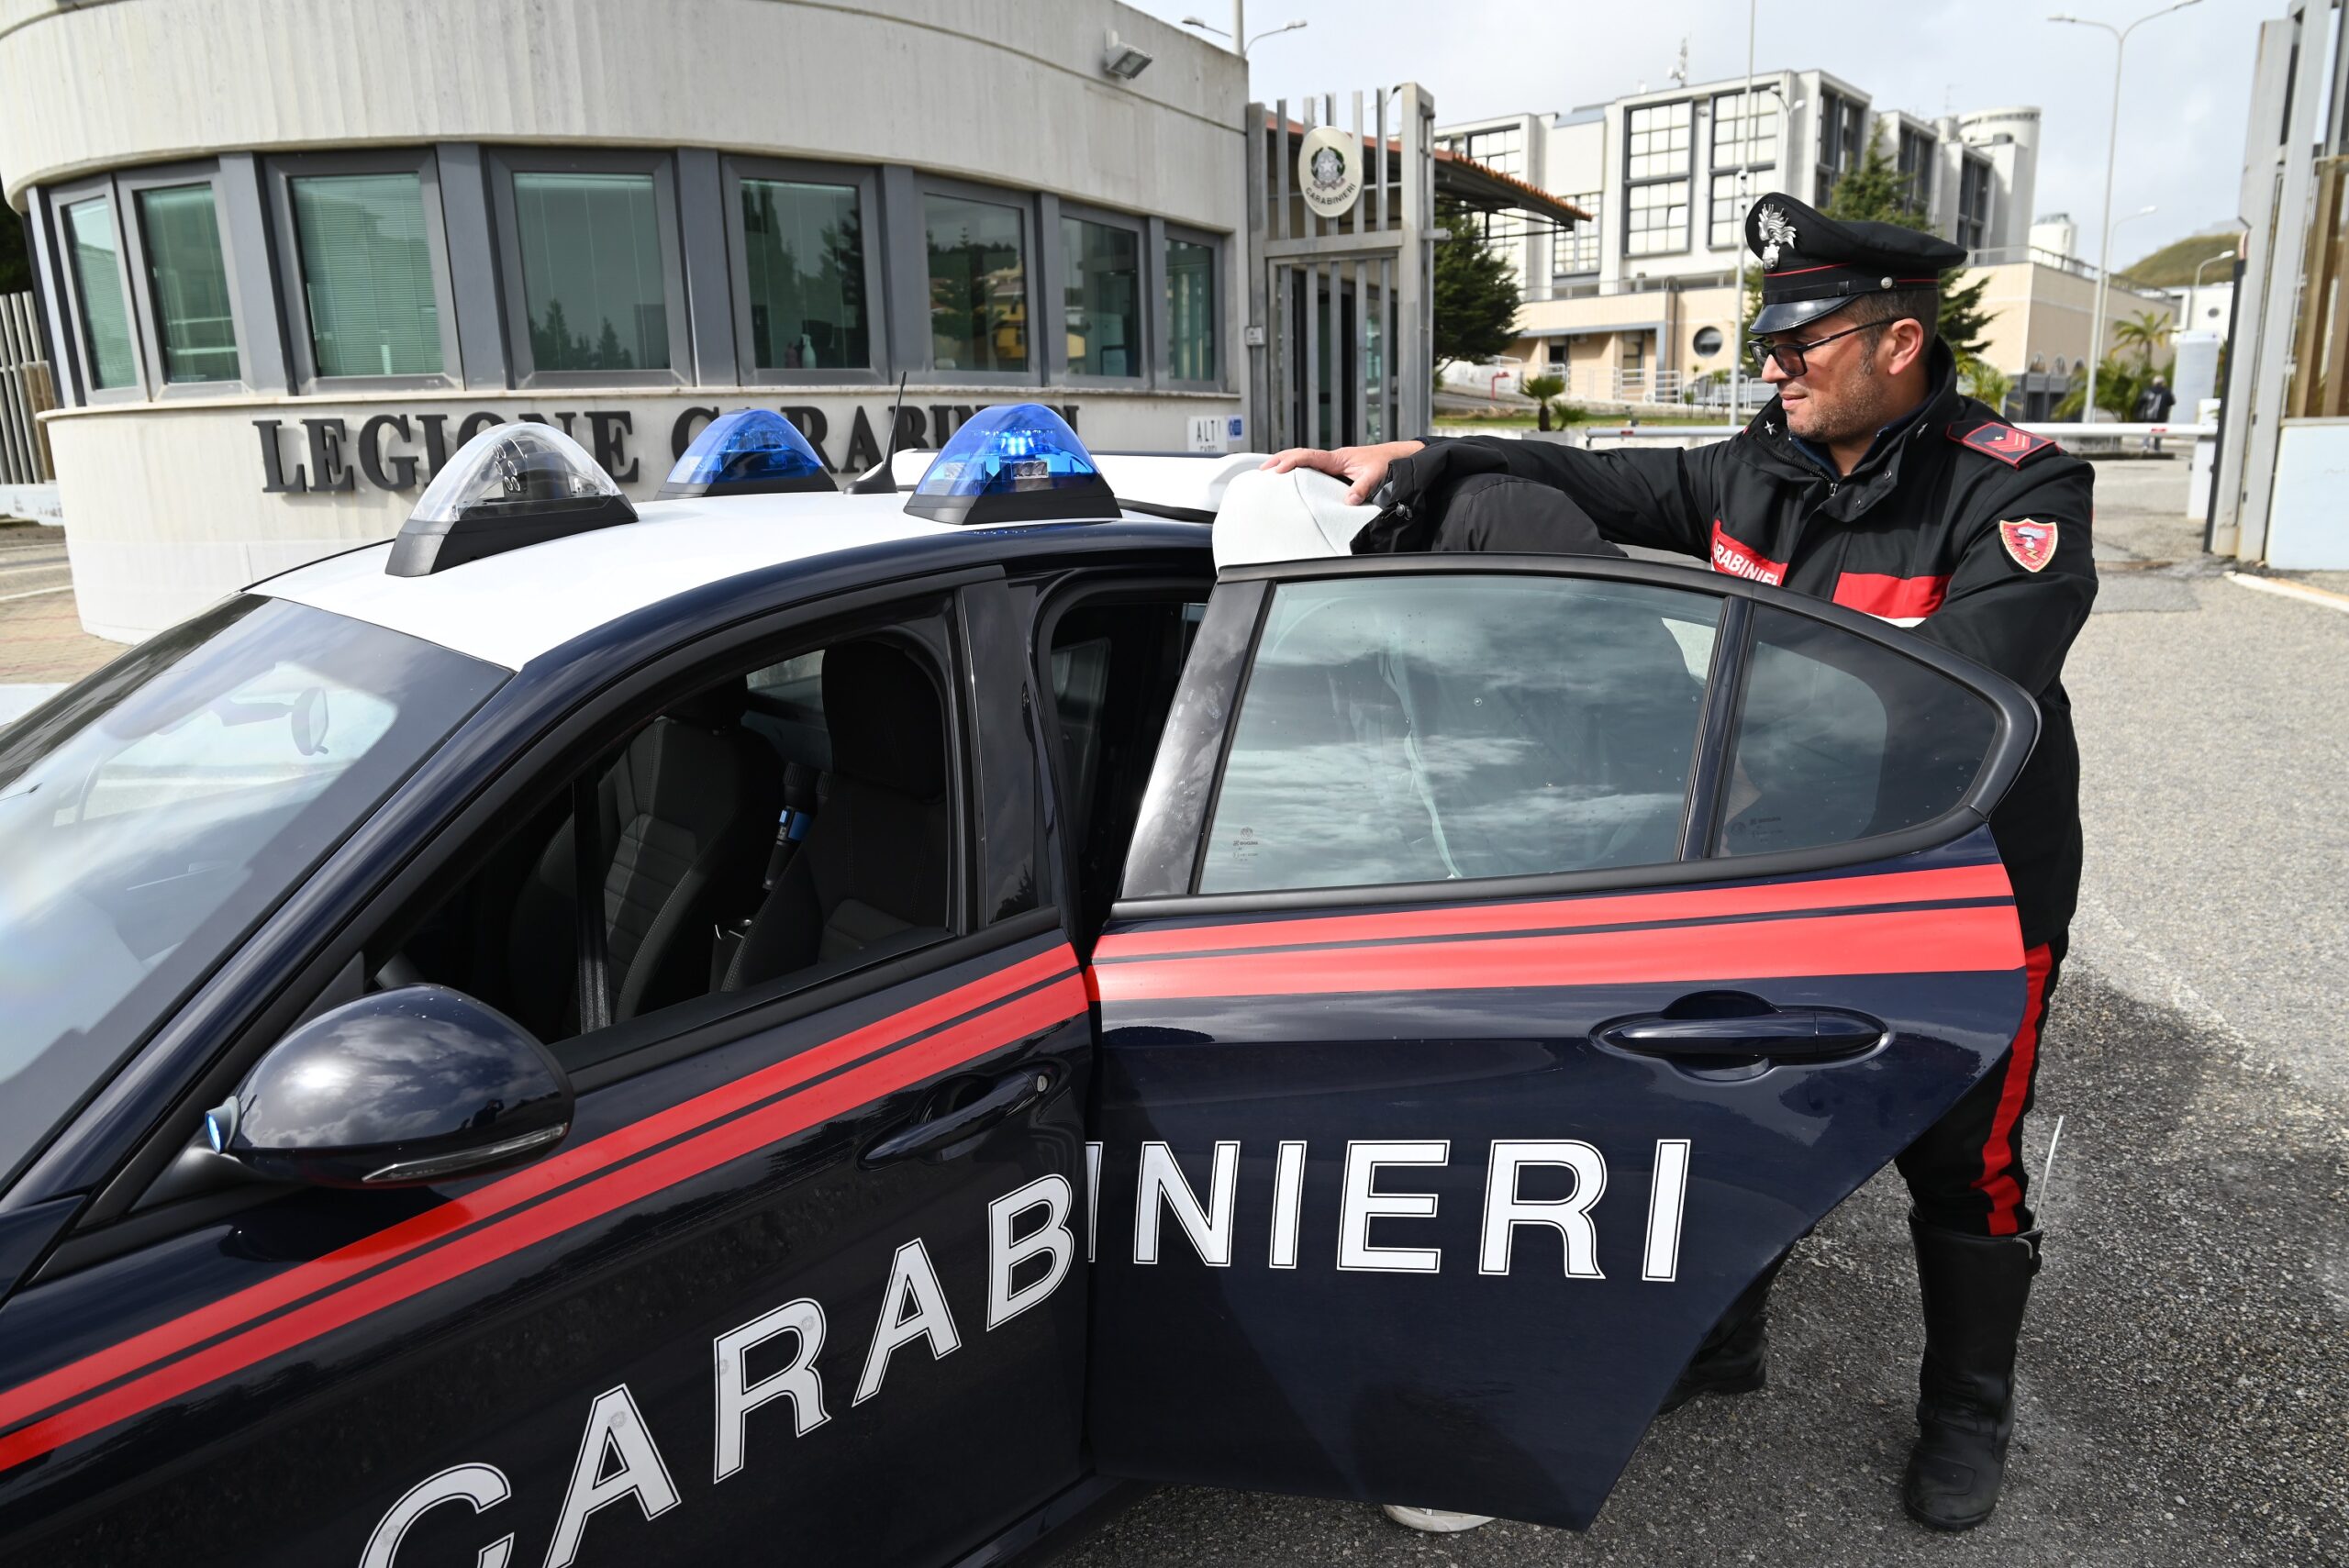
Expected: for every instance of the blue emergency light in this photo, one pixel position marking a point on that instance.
(1015, 465)
(751, 451)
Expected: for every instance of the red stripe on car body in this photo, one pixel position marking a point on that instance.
(1988, 880)
(1981, 936)
(533, 1181)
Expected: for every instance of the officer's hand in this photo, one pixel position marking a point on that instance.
(1360, 467)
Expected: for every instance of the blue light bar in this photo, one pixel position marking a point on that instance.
(1020, 463)
(751, 451)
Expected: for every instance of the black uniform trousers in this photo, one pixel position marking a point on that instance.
(1965, 1172)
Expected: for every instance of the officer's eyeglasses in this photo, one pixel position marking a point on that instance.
(1791, 356)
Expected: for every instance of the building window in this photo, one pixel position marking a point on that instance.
(803, 253)
(1745, 130)
(978, 285)
(1190, 311)
(97, 287)
(1973, 204)
(1707, 342)
(1501, 148)
(1577, 251)
(1916, 163)
(594, 283)
(1657, 140)
(1725, 214)
(366, 269)
(1842, 127)
(1657, 224)
(188, 284)
(1101, 293)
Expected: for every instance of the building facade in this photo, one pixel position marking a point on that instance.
(290, 256)
(1642, 305)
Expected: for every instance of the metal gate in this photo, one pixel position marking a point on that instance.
(1342, 345)
(26, 390)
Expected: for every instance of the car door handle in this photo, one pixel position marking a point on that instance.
(1783, 1034)
(937, 1136)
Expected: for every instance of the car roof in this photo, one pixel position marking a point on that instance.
(509, 609)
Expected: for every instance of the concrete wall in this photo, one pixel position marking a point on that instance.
(2045, 313)
(978, 87)
(166, 499)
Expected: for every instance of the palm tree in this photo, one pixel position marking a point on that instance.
(2146, 332)
(1542, 389)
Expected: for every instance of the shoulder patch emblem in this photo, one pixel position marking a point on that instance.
(1994, 437)
(2030, 541)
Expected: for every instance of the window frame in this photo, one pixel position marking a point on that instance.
(502, 163)
(1149, 277)
(1169, 848)
(68, 279)
(733, 169)
(1154, 295)
(921, 353)
(1685, 175)
(1745, 115)
(148, 320)
(279, 173)
(426, 861)
(1572, 243)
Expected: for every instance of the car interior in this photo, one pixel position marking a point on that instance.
(782, 825)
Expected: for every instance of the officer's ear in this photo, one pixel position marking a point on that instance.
(1906, 341)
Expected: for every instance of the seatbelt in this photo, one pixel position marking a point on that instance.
(587, 885)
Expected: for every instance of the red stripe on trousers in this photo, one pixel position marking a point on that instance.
(1997, 1181)
(1876, 594)
(745, 1135)
(176, 1334)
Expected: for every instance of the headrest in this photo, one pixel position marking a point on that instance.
(886, 724)
(717, 707)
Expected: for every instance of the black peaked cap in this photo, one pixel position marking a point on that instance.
(1813, 264)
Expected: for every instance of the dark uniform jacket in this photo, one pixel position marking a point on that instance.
(1912, 535)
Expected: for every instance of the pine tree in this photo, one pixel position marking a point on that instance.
(1475, 292)
(1877, 192)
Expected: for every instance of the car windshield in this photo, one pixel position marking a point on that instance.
(150, 814)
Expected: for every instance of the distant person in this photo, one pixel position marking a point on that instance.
(2153, 404)
(1870, 479)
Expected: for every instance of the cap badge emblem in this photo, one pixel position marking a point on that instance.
(1776, 233)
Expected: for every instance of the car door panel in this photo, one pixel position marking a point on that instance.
(1425, 1193)
(1340, 1031)
(311, 1361)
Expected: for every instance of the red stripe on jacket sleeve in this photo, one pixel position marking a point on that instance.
(1892, 597)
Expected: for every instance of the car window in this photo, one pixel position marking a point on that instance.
(152, 813)
(774, 826)
(1426, 729)
(1840, 738)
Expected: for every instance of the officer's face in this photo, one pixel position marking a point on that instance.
(1849, 388)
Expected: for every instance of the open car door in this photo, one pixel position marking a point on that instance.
(1516, 955)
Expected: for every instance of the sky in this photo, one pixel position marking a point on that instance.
(2185, 99)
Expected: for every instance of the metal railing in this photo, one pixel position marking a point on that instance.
(27, 389)
(2069, 435)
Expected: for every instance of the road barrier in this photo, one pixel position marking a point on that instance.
(2073, 435)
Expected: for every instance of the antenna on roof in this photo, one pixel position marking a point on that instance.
(1680, 67)
(881, 478)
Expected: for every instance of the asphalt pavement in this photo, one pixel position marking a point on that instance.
(2185, 1382)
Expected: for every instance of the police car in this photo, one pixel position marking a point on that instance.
(852, 1027)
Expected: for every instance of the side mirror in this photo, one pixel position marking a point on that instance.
(398, 1089)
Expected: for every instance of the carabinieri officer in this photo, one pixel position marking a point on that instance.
(1870, 480)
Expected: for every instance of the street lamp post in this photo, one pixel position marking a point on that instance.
(2112, 146)
(1239, 26)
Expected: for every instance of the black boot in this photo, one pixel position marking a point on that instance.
(1974, 1289)
(1735, 1357)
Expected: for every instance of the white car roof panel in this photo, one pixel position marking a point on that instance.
(510, 609)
